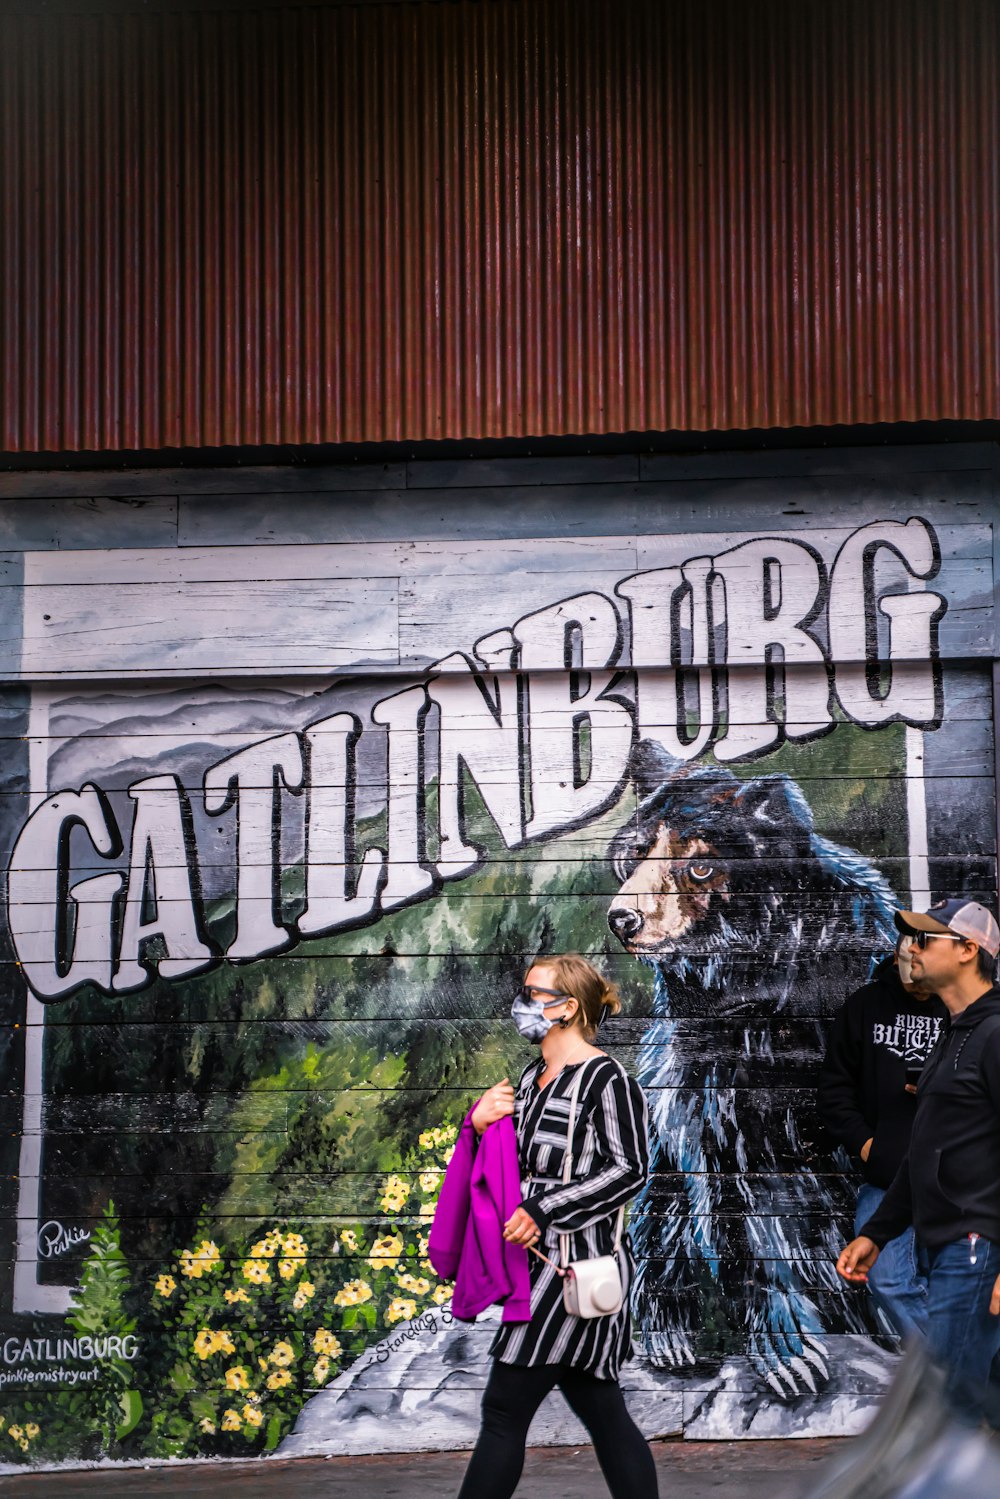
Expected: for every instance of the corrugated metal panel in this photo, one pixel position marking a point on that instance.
(424, 221)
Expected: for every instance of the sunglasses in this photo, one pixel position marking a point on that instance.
(921, 939)
(531, 993)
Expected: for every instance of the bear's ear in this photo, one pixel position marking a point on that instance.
(650, 765)
(775, 801)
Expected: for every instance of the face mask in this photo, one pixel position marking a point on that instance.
(903, 964)
(530, 1018)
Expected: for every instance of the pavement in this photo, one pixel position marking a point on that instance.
(687, 1470)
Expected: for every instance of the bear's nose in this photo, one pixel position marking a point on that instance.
(624, 921)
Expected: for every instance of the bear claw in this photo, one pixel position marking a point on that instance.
(804, 1372)
(815, 1353)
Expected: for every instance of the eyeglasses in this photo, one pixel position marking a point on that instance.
(921, 939)
(530, 992)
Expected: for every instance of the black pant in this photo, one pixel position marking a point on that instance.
(513, 1395)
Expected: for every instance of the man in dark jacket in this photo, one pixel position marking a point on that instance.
(948, 1187)
(880, 1039)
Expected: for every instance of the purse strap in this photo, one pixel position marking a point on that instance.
(567, 1171)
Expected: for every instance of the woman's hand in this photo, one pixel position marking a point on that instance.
(496, 1103)
(520, 1229)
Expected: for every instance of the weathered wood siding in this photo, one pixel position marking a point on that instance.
(303, 765)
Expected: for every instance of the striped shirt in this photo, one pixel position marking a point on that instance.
(610, 1161)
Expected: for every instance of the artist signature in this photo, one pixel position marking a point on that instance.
(54, 1239)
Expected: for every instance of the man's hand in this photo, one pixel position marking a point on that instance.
(995, 1298)
(520, 1229)
(866, 1148)
(857, 1259)
(496, 1103)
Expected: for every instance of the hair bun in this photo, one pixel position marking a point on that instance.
(611, 998)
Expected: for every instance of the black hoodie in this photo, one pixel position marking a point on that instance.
(878, 1032)
(949, 1184)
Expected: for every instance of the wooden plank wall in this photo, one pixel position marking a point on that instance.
(302, 765)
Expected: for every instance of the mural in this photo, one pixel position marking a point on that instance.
(265, 922)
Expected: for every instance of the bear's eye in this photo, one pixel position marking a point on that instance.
(640, 851)
(700, 871)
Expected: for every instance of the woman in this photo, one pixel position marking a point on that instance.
(563, 1001)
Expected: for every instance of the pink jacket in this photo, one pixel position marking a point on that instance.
(481, 1189)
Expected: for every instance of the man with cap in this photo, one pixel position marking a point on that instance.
(948, 1186)
(880, 1039)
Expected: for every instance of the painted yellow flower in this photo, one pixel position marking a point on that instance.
(23, 1444)
(288, 1268)
(440, 1295)
(303, 1295)
(426, 1265)
(353, 1293)
(294, 1247)
(426, 1214)
(207, 1426)
(426, 1140)
(400, 1309)
(198, 1262)
(31, 1430)
(282, 1354)
(15, 1432)
(278, 1379)
(321, 1370)
(165, 1285)
(266, 1249)
(262, 1363)
(252, 1416)
(237, 1378)
(257, 1272)
(208, 1342)
(430, 1181)
(238, 1295)
(421, 1244)
(231, 1421)
(386, 1252)
(394, 1194)
(349, 1239)
(204, 1344)
(415, 1284)
(448, 1155)
(325, 1342)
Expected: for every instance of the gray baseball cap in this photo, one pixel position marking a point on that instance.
(966, 918)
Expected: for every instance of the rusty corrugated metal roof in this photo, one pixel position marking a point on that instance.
(345, 224)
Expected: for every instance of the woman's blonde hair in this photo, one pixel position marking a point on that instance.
(591, 990)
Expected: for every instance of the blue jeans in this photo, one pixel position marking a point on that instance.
(897, 1281)
(962, 1335)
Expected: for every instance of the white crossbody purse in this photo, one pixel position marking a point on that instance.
(591, 1288)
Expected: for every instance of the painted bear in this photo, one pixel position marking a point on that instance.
(756, 929)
